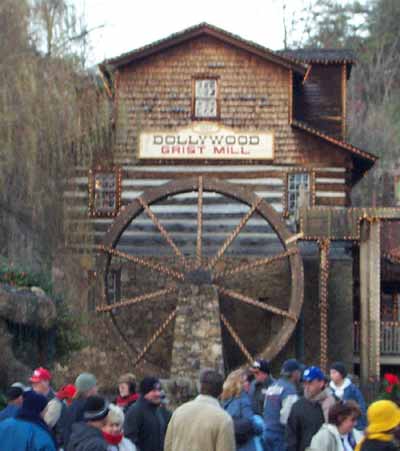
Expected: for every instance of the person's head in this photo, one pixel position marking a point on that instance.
(95, 411)
(127, 385)
(383, 416)
(211, 382)
(233, 385)
(66, 393)
(338, 372)
(344, 416)
(86, 385)
(261, 370)
(14, 395)
(291, 370)
(248, 378)
(40, 381)
(150, 389)
(114, 420)
(33, 404)
(314, 382)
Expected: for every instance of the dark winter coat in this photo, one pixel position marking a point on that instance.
(377, 445)
(145, 426)
(352, 393)
(305, 420)
(73, 414)
(86, 438)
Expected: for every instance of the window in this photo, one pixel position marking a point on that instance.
(205, 98)
(114, 285)
(104, 192)
(296, 182)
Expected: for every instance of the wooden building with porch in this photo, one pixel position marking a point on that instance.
(198, 251)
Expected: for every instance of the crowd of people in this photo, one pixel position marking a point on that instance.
(302, 410)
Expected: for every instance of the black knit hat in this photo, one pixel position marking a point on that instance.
(13, 393)
(148, 384)
(96, 408)
(340, 368)
(33, 403)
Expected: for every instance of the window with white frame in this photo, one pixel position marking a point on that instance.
(297, 182)
(205, 98)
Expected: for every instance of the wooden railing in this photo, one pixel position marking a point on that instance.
(390, 337)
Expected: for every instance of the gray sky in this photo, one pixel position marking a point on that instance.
(129, 24)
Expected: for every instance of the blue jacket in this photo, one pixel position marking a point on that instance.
(351, 392)
(240, 408)
(274, 398)
(21, 435)
(9, 412)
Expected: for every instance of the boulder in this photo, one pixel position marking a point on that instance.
(27, 306)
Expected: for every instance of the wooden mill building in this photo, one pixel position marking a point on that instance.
(218, 142)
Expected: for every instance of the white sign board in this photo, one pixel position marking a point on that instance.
(206, 141)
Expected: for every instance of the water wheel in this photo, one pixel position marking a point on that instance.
(200, 232)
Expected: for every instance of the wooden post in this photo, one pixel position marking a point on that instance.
(324, 246)
(370, 297)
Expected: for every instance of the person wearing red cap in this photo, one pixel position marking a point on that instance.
(40, 381)
(67, 393)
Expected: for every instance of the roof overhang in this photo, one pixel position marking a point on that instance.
(363, 160)
(194, 32)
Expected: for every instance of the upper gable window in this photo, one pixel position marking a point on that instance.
(205, 104)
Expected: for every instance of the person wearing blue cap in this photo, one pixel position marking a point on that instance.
(279, 399)
(309, 413)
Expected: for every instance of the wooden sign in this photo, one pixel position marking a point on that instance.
(206, 141)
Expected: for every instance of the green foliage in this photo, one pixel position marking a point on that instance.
(390, 388)
(19, 276)
(68, 338)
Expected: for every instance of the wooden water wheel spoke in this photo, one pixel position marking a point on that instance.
(236, 338)
(144, 262)
(155, 337)
(143, 297)
(256, 303)
(199, 223)
(235, 233)
(261, 262)
(161, 229)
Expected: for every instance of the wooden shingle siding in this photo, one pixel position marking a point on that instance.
(156, 94)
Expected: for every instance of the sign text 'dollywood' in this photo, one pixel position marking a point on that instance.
(206, 141)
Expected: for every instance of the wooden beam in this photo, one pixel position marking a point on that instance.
(370, 293)
(324, 246)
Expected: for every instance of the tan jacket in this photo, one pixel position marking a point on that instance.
(200, 425)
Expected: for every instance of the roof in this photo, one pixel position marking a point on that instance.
(365, 160)
(198, 30)
(321, 56)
